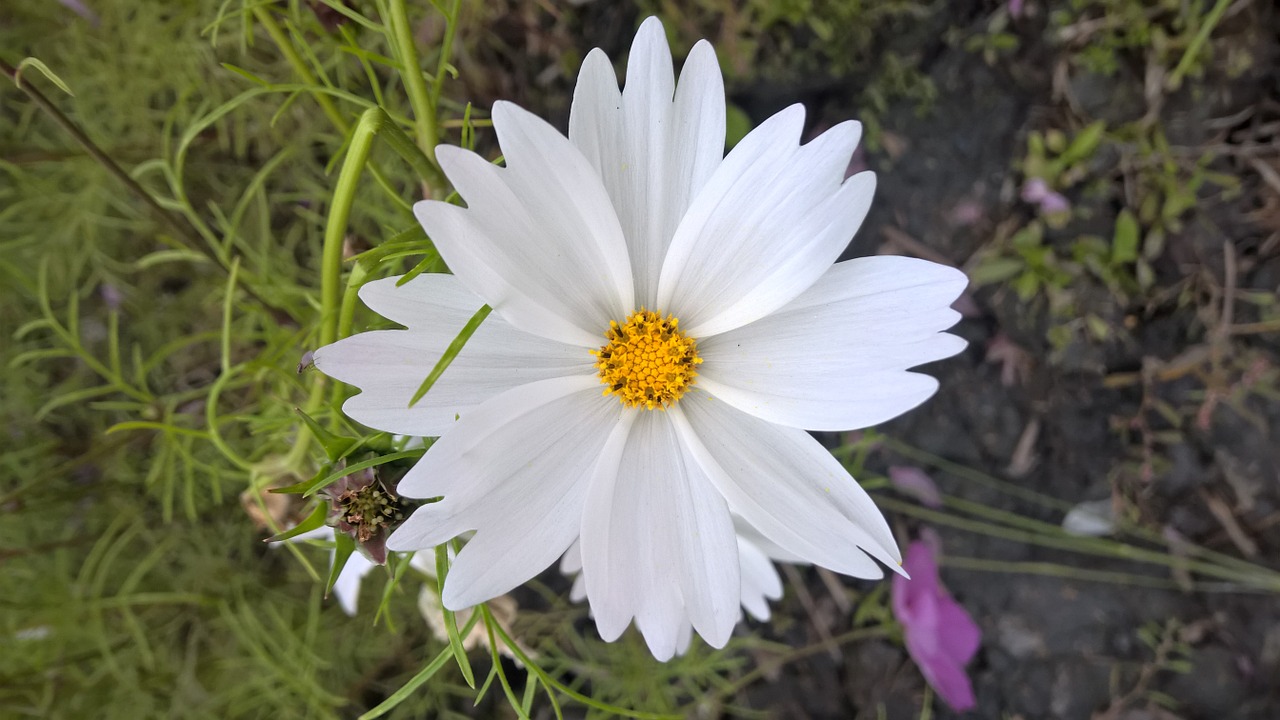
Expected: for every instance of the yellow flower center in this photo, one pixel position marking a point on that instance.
(648, 362)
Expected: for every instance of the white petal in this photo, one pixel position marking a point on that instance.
(347, 586)
(658, 542)
(1092, 518)
(771, 549)
(515, 471)
(424, 561)
(769, 222)
(654, 145)
(835, 358)
(788, 486)
(684, 638)
(578, 592)
(390, 365)
(422, 303)
(539, 240)
(571, 563)
(760, 581)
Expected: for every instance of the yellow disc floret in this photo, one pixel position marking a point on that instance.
(648, 362)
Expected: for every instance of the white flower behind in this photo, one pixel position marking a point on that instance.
(667, 324)
(347, 586)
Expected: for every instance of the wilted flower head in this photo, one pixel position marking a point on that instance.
(940, 636)
(367, 510)
(667, 323)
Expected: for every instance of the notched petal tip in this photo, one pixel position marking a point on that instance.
(865, 180)
(453, 161)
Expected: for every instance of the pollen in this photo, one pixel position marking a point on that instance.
(648, 363)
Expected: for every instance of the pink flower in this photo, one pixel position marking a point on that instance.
(1036, 191)
(940, 635)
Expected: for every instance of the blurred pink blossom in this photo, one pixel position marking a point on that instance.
(914, 482)
(1015, 8)
(82, 10)
(111, 296)
(940, 635)
(1015, 362)
(1037, 192)
(966, 213)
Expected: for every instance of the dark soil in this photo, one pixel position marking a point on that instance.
(1066, 648)
(948, 179)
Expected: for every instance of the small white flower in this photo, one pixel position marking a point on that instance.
(1092, 518)
(347, 586)
(700, 290)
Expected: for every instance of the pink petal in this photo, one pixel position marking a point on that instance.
(914, 482)
(1053, 203)
(960, 635)
(950, 682)
(1034, 190)
(940, 635)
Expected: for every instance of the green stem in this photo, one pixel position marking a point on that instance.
(282, 42)
(321, 92)
(373, 122)
(1210, 22)
(446, 50)
(1259, 578)
(424, 107)
(181, 231)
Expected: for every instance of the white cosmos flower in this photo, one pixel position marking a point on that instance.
(701, 290)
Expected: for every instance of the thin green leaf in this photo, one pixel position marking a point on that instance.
(343, 546)
(313, 521)
(451, 620)
(408, 688)
(1124, 244)
(335, 446)
(451, 352)
(44, 70)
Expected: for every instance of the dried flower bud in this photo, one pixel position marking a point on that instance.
(367, 510)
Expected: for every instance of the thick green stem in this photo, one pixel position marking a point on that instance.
(372, 123)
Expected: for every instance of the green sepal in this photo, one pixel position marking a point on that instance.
(335, 446)
(343, 546)
(313, 521)
(451, 620)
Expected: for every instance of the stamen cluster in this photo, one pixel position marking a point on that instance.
(648, 362)
(369, 511)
